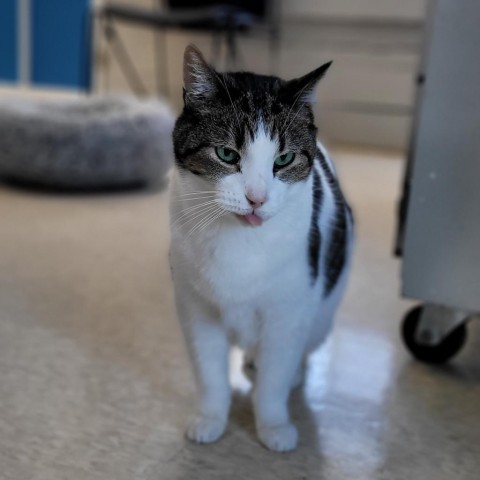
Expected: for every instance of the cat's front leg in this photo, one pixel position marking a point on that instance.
(208, 347)
(279, 357)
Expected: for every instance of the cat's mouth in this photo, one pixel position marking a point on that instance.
(251, 218)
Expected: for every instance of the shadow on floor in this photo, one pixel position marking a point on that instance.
(74, 191)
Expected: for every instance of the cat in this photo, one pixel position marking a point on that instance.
(261, 239)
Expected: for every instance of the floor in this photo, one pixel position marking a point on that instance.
(94, 379)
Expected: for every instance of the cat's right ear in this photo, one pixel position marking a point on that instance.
(199, 78)
(304, 88)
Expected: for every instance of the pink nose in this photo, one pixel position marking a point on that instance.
(256, 201)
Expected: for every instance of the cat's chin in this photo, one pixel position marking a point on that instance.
(251, 219)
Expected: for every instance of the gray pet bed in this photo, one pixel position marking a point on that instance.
(101, 142)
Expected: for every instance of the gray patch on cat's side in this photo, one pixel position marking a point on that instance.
(337, 247)
(314, 237)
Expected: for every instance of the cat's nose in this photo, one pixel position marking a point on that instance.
(255, 200)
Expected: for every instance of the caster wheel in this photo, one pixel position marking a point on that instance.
(435, 354)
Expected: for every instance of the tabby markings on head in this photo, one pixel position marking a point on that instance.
(227, 109)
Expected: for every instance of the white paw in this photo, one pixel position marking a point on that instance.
(202, 429)
(282, 438)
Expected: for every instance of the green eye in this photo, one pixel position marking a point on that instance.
(226, 155)
(284, 160)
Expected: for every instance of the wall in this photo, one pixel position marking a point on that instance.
(411, 10)
(367, 97)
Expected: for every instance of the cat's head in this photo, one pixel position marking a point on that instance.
(249, 138)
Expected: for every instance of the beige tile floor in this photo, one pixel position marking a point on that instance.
(94, 380)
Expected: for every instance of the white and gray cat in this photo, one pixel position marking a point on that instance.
(261, 239)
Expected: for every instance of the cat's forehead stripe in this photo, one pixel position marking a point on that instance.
(262, 148)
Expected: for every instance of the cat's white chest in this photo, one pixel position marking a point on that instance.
(235, 265)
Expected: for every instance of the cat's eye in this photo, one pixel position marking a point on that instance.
(284, 160)
(227, 155)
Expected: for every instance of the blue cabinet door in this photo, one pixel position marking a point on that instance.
(60, 45)
(8, 40)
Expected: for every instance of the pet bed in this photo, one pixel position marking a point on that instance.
(87, 143)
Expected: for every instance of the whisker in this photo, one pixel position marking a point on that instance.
(188, 216)
(293, 119)
(199, 192)
(204, 220)
(200, 222)
(220, 214)
(196, 206)
(192, 199)
(291, 108)
(213, 211)
(191, 209)
(231, 101)
(195, 215)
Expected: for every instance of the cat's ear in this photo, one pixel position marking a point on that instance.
(304, 89)
(199, 78)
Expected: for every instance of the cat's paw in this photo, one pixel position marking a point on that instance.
(203, 429)
(281, 438)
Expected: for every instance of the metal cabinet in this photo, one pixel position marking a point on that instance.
(440, 240)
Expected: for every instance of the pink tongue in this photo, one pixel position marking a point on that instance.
(253, 219)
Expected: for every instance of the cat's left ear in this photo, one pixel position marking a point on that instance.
(199, 78)
(304, 88)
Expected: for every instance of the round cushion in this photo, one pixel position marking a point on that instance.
(96, 142)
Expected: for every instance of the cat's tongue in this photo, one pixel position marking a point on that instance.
(253, 219)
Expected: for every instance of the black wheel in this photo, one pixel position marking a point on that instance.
(440, 353)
